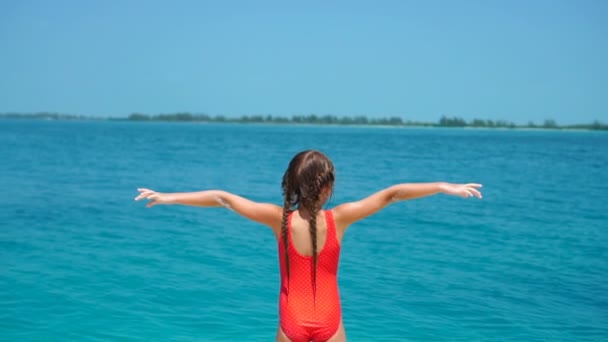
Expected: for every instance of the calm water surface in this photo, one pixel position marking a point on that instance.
(81, 261)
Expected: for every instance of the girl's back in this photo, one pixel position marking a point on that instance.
(300, 232)
(309, 302)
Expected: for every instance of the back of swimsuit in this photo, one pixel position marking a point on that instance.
(307, 312)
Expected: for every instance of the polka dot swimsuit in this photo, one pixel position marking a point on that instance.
(308, 313)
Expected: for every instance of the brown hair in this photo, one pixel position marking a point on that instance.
(306, 176)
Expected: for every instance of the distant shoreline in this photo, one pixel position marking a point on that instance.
(312, 119)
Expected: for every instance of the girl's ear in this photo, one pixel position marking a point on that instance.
(326, 191)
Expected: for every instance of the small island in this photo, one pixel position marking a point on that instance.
(311, 119)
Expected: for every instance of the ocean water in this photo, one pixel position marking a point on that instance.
(81, 261)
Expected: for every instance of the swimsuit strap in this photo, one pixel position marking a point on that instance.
(331, 227)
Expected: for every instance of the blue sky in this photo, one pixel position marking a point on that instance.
(513, 60)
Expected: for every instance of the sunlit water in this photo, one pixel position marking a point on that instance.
(81, 261)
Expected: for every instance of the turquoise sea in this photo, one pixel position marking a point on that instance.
(81, 261)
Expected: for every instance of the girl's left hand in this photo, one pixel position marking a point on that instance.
(153, 197)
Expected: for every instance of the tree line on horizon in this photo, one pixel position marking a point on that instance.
(312, 119)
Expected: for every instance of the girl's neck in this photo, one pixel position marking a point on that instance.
(305, 213)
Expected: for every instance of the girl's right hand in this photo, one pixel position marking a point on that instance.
(462, 190)
(153, 197)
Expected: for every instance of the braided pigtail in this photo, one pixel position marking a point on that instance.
(284, 232)
(290, 199)
(313, 236)
(307, 175)
(311, 202)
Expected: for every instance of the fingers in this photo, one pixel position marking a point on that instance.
(468, 193)
(146, 193)
(470, 190)
(152, 196)
(476, 193)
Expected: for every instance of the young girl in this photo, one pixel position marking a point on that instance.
(309, 238)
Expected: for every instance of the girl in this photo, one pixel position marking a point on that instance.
(309, 238)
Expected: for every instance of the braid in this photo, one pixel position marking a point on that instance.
(313, 237)
(308, 173)
(284, 232)
(313, 189)
(287, 205)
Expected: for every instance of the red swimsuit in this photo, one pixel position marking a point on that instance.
(307, 315)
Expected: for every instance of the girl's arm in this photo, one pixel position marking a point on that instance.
(348, 213)
(265, 213)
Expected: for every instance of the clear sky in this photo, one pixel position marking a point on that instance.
(512, 60)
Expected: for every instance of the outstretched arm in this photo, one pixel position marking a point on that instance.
(265, 213)
(348, 213)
